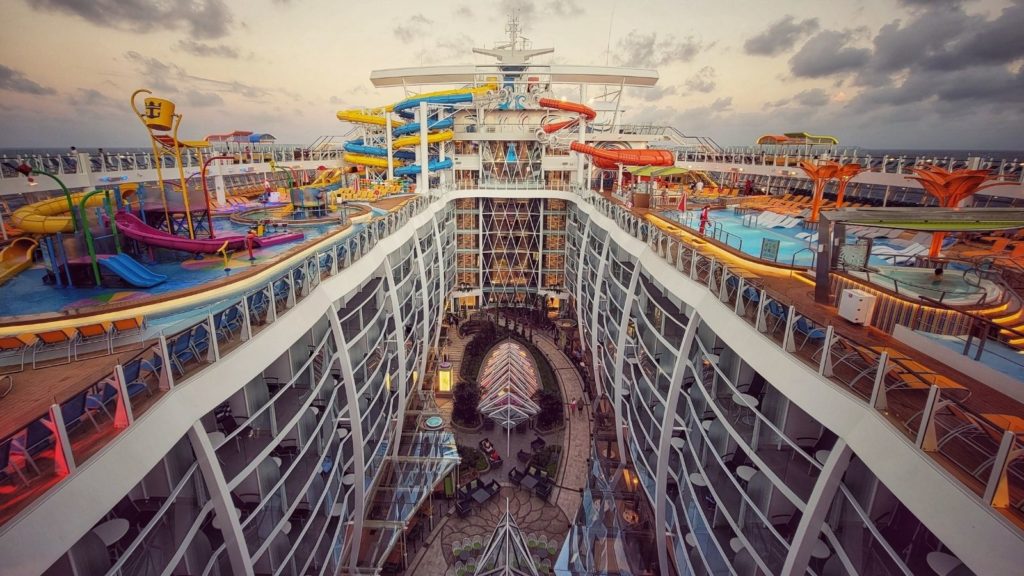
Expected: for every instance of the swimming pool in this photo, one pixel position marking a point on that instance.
(729, 229)
(953, 288)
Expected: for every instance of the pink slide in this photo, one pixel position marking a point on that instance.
(609, 159)
(136, 229)
(582, 109)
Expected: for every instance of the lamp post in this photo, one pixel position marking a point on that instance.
(28, 171)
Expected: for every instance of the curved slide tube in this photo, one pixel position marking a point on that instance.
(433, 166)
(457, 96)
(581, 109)
(357, 147)
(16, 258)
(130, 270)
(51, 216)
(414, 139)
(138, 230)
(414, 127)
(610, 159)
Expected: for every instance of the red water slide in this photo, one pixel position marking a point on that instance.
(610, 159)
(582, 109)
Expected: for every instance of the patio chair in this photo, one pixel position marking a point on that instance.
(5, 463)
(54, 340)
(126, 328)
(181, 351)
(15, 347)
(73, 411)
(92, 333)
(810, 333)
(37, 438)
(227, 322)
(258, 305)
(524, 456)
(100, 400)
(776, 316)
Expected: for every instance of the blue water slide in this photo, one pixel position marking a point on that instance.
(402, 108)
(130, 270)
(433, 166)
(357, 147)
(414, 127)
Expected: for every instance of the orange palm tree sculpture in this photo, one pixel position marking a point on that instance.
(844, 174)
(950, 188)
(820, 174)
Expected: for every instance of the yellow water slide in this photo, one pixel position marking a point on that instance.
(414, 139)
(16, 257)
(50, 216)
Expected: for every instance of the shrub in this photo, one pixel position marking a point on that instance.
(551, 406)
(547, 458)
(465, 402)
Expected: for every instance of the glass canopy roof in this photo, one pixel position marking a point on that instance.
(508, 382)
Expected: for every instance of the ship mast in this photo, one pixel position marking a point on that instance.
(516, 51)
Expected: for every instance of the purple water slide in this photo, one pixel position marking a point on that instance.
(275, 239)
(136, 229)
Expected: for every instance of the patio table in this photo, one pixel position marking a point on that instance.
(528, 482)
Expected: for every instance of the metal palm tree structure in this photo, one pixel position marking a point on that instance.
(844, 174)
(819, 174)
(951, 188)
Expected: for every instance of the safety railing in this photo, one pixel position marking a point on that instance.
(50, 447)
(897, 386)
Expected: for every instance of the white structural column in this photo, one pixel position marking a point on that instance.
(355, 416)
(423, 179)
(218, 182)
(809, 529)
(580, 258)
(442, 285)
(400, 336)
(596, 360)
(387, 145)
(620, 352)
(217, 486)
(406, 384)
(440, 157)
(664, 443)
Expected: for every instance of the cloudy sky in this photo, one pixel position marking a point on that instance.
(877, 73)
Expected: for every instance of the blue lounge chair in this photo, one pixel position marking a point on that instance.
(776, 316)
(5, 463)
(258, 305)
(181, 351)
(803, 326)
(227, 322)
(73, 411)
(37, 438)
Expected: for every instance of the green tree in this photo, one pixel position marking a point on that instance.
(551, 407)
(466, 400)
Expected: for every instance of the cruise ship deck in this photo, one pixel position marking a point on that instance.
(494, 329)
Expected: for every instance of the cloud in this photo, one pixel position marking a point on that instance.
(813, 97)
(464, 11)
(655, 93)
(564, 8)
(412, 28)
(156, 73)
(173, 79)
(647, 51)
(826, 53)
(204, 50)
(203, 99)
(780, 36)
(90, 98)
(703, 81)
(202, 19)
(16, 81)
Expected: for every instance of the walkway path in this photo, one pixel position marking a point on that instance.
(573, 472)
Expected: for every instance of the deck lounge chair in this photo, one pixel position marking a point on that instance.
(15, 347)
(90, 333)
(54, 340)
(126, 328)
(6, 463)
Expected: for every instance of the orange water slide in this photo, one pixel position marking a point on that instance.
(609, 159)
(581, 109)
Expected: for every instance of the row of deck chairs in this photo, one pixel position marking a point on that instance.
(774, 220)
(67, 343)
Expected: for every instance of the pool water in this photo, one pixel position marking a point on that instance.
(952, 288)
(792, 250)
(728, 228)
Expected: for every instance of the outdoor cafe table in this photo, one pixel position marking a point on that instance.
(481, 495)
(528, 482)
